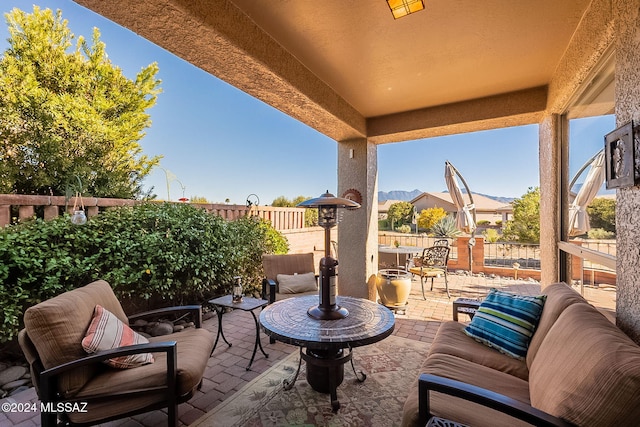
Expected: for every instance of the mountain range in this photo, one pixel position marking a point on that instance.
(410, 195)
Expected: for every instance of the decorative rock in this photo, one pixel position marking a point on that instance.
(178, 328)
(15, 384)
(19, 390)
(208, 315)
(11, 374)
(140, 323)
(161, 329)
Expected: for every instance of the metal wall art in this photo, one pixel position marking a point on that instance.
(619, 149)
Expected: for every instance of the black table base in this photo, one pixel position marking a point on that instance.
(326, 345)
(325, 371)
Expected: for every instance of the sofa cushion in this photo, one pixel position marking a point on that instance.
(587, 371)
(297, 283)
(107, 332)
(506, 322)
(193, 350)
(451, 339)
(56, 328)
(286, 264)
(559, 297)
(460, 410)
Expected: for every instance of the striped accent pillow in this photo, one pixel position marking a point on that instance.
(107, 332)
(506, 322)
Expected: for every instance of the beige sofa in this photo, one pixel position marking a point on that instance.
(64, 373)
(580, 369)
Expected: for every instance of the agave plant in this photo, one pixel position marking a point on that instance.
(446, 227)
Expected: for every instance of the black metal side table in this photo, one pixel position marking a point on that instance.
(247, 304)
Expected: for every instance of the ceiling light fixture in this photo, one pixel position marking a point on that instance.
(401, 8)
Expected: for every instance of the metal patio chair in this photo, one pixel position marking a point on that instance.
(432, 264)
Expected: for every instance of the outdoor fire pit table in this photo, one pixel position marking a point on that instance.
(325, 341)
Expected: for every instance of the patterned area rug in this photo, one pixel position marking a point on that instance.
(391, 367)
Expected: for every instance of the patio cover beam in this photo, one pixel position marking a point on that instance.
(217, 37)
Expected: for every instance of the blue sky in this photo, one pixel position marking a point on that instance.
(221, 143)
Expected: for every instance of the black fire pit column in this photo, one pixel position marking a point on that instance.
(328, 205)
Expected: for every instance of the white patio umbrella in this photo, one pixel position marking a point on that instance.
(578, 217)
(466, 211)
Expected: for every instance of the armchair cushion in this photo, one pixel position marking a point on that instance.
(506, 322)
(193, 350)
(107, 332)
(57, 332)
(296, 283)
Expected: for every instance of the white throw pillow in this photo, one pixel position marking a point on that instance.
(297, 283)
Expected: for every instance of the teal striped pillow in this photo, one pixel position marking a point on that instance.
(506, 322)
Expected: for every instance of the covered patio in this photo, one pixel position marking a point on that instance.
(352, 72)
(226, 373)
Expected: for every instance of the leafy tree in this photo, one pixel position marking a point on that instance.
(525, 225)
(199, 199)
(400, 213)
(281, 202)
(68, 114)
(429, 217)
(602, 214)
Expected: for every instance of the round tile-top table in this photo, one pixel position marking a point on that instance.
(326, 340)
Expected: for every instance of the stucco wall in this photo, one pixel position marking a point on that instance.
(549, 134)
(627, 15)
(358, 231)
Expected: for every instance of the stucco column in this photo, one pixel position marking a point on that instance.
(358, 229)
(626, 15)
(550, 170)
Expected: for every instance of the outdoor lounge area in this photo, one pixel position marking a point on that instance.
(339, 69)
(226, 374)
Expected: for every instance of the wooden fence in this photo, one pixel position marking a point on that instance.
(14, 207)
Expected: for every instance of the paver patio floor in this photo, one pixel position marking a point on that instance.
(226, 374)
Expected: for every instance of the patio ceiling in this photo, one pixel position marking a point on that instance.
(349, 70)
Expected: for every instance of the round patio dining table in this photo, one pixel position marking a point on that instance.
(407, 250)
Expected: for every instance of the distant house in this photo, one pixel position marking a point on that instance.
(486, 209)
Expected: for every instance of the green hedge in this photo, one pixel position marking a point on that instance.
(168, 253)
